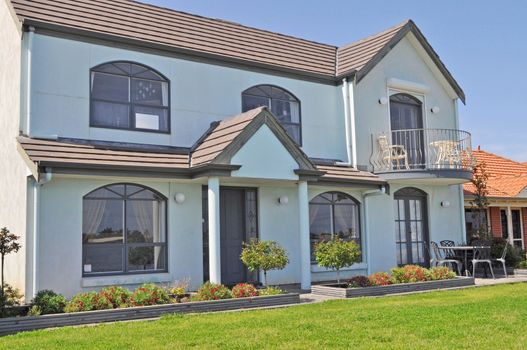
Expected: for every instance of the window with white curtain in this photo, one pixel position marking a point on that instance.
(280, 102)
(333, 214)
(123, 230)
(126, 95)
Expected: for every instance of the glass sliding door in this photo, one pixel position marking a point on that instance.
(411, 227)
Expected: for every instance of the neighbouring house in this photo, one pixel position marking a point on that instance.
(506, 215)
(151, 143)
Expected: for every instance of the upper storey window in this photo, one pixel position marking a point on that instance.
(126, 95)
(283, 104)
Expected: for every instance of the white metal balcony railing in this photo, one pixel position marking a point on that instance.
(422, 149)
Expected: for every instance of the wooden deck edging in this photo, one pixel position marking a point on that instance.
(340, 292)
(18, 324)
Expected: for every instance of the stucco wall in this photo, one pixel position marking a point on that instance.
(402, 62)
(60, 261)
(13, 174)
(200, 93)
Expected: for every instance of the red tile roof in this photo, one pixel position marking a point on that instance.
(507, 178)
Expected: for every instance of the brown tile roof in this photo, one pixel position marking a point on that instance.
(341, 172)
(150, 25)
(144, 22)
(355, 56)
(222, 135)
(73, 153)
(507, 178)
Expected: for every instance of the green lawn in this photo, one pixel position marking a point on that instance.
(476, 318)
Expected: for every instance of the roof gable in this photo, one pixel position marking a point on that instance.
(361, 57)
(226, 138)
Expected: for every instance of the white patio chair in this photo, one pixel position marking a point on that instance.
(390, 153)
(482, 256)
(439, 259)
(502, 260)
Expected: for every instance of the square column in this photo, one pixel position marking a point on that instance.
(305, 247)
(214, 229)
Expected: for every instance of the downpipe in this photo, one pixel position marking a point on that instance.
(381, 191)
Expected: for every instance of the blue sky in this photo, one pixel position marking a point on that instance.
(483, 43)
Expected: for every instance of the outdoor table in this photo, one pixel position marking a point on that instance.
(448, 150)
(465, 248)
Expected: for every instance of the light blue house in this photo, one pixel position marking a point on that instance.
(145, 145)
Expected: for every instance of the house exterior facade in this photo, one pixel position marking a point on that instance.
(149, 153)
(506, 215)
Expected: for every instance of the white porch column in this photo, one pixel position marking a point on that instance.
(214, 230)
(510, 237)
(305, 256)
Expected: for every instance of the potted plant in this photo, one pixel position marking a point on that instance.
(264, 255)
(336, 254)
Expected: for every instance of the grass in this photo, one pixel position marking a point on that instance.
(477, 318)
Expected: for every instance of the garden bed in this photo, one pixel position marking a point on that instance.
(17, 324)
(341, 291)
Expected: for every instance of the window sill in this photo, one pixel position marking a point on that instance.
(359, 266)
(101, 281)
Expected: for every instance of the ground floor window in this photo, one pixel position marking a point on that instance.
(333, 214)
(476, 222)
(123, 230)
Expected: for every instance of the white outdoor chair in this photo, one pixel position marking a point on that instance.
(502, 260)
(390, 153)
(482, 255)
(439, 259)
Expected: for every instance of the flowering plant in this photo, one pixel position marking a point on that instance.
(88, 302)
(380, 279)
(441, 273)
(410, 274)
(213, 291)
(149, 294)
(117, 296)
(244, 290)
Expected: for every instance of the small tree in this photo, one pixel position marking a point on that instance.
(480, 203)
(264, 255)
(8, 244)
(337, 254)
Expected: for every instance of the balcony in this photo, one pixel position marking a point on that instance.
(443, 152)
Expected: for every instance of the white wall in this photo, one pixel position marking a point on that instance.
(200, 93)
(13, 174)
(402, 62)
(60, 253)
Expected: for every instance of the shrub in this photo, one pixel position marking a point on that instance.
(336, 254)
(244, 290)
(522, 264)
(380, 279)
(149, 294)
(270, 291)
(264, 255)
(441, 273)
(117, 296)
(48, 302)
(410, 274)
(213, 291)
(88, 302)
(359, 282)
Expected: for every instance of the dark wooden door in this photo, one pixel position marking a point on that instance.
(232, 228)
(411, 227)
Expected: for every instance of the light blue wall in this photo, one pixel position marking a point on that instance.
(200, 93)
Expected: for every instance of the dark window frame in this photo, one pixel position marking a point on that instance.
(125, 245)
(130, 103)
(355, 203)
(295, 99)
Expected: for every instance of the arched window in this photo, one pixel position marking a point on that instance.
(283, 104)
(126, 95)
(123, 230)
(333, 214)
(406, 120)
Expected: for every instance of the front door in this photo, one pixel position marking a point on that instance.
(411, 228)
(238, 224)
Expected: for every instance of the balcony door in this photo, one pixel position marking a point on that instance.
(406, 121)
(411, 227)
